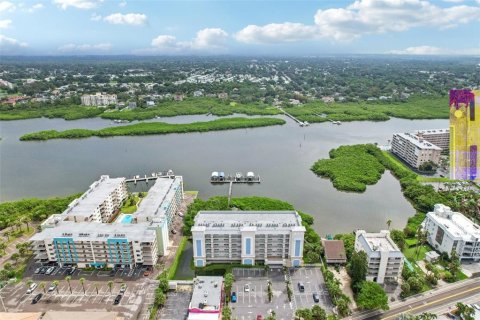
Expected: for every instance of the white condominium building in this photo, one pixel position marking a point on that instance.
(448, 230)
(81, 235)
(413, 150)
(385, 260)
(438, 137)
(98, 204)
(248, 237)
(98, 99)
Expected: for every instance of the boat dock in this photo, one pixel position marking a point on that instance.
(153, 176)
(301, 123)
(220, 178)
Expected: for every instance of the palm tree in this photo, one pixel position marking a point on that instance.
(96, 287)
(82, 281)
(110, 285)
(68, 278)
(55, 283)
(389, 223)
(42, 285)
(3, 246)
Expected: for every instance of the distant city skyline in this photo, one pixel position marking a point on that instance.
(250, 27)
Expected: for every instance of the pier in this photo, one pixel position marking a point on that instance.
(293, 118)
(153, 176)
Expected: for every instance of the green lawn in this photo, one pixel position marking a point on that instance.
(131, 208)
(411, 253)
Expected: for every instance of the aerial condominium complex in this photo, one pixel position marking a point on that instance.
(414, 150)
(448, 231)
(385, 260)
(438, 137)
(83, 236)
(98, 99)
(248, 237)
(464, 134)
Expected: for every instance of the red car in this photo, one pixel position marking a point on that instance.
(259, 317)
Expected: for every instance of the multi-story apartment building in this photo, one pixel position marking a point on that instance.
(98, 99)
(413, 150)
(465, 134)
(448, 231)
(437, 137)
(99, 203)
(248, 237)
(80, 235)
(385, 260)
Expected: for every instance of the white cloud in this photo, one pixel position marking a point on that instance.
(122, 3)
(134, 19)
(4, 24)
(35, 7)
(363, 17)
(79, 4)
(6, 6)
(453, 1)
(7, 43)
(82, 48)
(206, 40)
(95, 17)
(429, 50)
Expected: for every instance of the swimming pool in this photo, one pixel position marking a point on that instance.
(127, 218)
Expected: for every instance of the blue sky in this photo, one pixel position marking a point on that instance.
(253, 27)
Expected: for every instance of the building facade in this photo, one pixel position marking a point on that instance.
(448, 231)
(248, 237)
(385, 260)
(84, 235)
(438, 137)
(413, 150)
(98, 99)
(464, 134)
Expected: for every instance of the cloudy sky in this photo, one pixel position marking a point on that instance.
(245, 27)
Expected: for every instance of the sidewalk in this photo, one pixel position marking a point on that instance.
(11, 248)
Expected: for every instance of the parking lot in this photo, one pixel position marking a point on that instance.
(312, 279)
(255, 301)
(97, 296)
(176, 307)
(59, 273)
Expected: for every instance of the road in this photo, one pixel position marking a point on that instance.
(428, 301)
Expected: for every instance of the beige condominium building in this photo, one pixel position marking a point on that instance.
(248, 237)
(84, 235)
(438, 137)
(414, 150)
(385, 260)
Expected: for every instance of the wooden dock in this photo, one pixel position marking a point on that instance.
(153, 176)
(301, 123)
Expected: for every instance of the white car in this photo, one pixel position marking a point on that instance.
(247, 288)
(50, 270)
(52, 287)
(180, 215)
(476, 306)
(32, 287)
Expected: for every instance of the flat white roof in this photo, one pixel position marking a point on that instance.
(256, 220)
(207, 293)
(432, 131)
(159, 197)
(420, 143)
(374, 243)
(94, 196)
(455, 223)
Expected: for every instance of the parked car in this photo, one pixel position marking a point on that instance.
(301, 287)
(316, 297)
(247, 288)
(174, 231)
(52, 287)
(117, 299)
(43, 270)
(37, 271)
(72, 270)
(476, 306)
(451, 315)
(259, 317)
(233, 298)
(123, 288)
(37, 298)
(50, 270)
(32, 287)
(180, 215)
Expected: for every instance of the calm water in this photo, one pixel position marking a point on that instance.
(282, 155)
